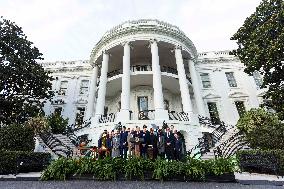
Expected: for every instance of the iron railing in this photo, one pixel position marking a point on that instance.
(146, 115)
(180, 116)
(107, 118)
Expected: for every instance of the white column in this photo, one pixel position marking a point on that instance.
(160, 112)
(102, 87)
(92, 92)
(184, 91)
(125, 93)
(196, 88)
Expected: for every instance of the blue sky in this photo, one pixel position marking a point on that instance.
(69, 29)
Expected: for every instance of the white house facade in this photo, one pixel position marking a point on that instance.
(147, 72)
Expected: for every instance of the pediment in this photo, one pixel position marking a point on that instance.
(238, 95)
(211, 96)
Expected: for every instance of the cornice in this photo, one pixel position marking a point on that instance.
(144, 26)
(218, 60)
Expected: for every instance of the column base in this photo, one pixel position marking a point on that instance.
(122, 116)
(161, 115)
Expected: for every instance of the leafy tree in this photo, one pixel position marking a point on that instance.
(24, 85)
(57, 124)
(260, 47)
(17, 137)
(262, 129)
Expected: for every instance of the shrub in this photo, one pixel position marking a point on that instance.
(261, 161)
(17, 137)
(262, 129)
(57, 123)
(137, 168)
(32, 161)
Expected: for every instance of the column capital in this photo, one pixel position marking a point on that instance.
(130, 43)
(178, 47)
(153, 40)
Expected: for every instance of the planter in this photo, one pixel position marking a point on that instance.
(227, 177)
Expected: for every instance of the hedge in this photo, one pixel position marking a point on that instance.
(138, 169)
(16, 137)
(20, 161)
(261, 161)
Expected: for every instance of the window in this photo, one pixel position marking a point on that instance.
(80, 113)
(240, 107)
(205, 80)
(166, 105)
(63, 88)
(257, 79)
(231, 79)
(84, 87)
(142, 103)
(58, 110)
(213, 112)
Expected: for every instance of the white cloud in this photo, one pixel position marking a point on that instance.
(68, 29)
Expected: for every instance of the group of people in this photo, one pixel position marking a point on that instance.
(168, 143)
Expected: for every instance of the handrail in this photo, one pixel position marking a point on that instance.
(180, 116)
(55, 144)
(146, 115)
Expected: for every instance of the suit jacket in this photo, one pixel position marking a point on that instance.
(169, 138)
(153, 140)
(178, 145)
(161, 143)
(123, 138)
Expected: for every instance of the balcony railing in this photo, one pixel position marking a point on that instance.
(107, 118)
(180, 116)
(146, 115)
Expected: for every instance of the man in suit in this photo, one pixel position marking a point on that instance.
(123, 142)
(178, 146)
(161, 144)
(152, 145)
(145, 135)
(170, 143)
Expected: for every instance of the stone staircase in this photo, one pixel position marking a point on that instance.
(228, 145)
(66, 140)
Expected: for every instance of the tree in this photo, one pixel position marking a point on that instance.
(261, 48)
(24, 84)
(262, 129)
(57, 123)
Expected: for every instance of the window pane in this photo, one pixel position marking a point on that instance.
(84, 87)
(240, 107)
(205, 80)
(213, 112)
(231, 79)
(80, 113)
(63, 88)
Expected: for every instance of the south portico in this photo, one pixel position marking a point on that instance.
(144, 54)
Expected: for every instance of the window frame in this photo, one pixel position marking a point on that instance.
(204, 81)
(231, 80)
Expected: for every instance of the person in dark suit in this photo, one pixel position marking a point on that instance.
(123, 142)
(145, 135)
(178, 146)
(152, 145)
(161, 144)
(170, 143)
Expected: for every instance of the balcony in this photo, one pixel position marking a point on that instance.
(145, 68)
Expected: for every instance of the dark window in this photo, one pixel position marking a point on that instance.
(240, 105)
(205, 80)
(80, 113)
(213, 112)
(231, 79)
